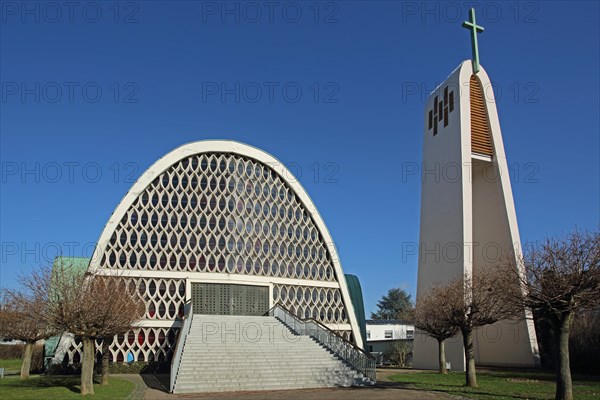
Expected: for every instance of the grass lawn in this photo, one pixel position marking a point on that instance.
(13, 364)
(499, 384)
(61, 387)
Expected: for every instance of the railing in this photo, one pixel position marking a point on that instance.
(347, 351)
(183, 333)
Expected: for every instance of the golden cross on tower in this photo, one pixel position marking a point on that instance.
(475, 29)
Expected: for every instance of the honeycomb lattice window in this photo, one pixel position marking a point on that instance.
(140, 344)
(221, 213)
(322, 304)
(164, 298)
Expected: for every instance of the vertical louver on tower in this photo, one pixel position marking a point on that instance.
(481, 142)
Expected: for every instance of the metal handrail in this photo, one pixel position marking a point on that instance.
(183, 333)
(318, 323)
(360, 360)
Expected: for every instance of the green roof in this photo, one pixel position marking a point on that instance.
(357, 302)
(51, 345)
(77, 263)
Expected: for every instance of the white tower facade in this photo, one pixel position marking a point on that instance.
(467, 213)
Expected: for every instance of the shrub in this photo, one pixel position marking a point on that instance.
(12, 351)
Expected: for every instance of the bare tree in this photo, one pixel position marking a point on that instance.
(120, 312)
(432, 317)
(475, 300)
(89, 306)
(22, 318)
(558, 278)
(399, 352)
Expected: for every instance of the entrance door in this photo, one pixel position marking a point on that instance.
(225, 299)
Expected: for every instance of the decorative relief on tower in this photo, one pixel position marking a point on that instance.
(441, 110)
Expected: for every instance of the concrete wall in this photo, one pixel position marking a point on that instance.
(445, 226)
(495, 232)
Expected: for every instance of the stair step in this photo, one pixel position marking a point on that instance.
(253, 345)
(247, 357)
(262, 367)
(219, 386)
(262, 355)
(258, 350)
(262, 378)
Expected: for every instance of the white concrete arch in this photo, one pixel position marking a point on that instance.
(228, 147)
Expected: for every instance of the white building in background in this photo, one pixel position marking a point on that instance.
(381, 334)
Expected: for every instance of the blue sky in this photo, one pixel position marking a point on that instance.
(94, 93)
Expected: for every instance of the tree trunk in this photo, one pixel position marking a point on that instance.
(442, 356)
(27, 355)
(87, 366)
(564, 384)
(471, 375)
(105, 355)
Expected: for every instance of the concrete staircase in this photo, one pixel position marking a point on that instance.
(234, 353)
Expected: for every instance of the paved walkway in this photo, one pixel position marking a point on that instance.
(140, 386)
(151, 387)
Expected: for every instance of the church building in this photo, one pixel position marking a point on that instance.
(223, 229)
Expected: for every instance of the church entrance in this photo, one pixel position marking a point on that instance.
(225, 299)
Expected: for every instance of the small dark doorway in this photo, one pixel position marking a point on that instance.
(226, 299)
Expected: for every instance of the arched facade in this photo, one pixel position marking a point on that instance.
(226, 213)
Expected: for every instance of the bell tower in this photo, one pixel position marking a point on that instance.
(468, 217)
